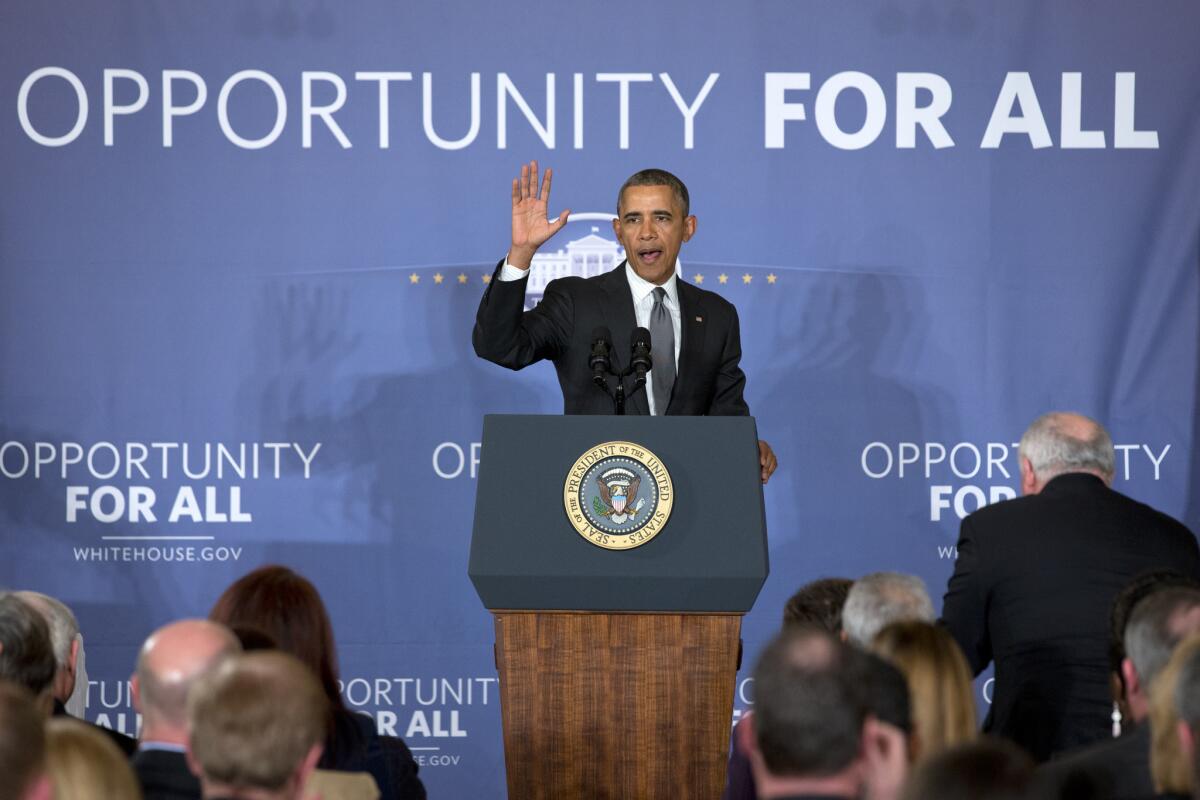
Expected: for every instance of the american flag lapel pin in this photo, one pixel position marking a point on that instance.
(699, 319)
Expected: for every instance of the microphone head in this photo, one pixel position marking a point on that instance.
(602, 334)
(640, 338)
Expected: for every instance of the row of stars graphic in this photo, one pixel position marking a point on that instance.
(698, 278)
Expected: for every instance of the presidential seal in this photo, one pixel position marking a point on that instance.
(618, 495)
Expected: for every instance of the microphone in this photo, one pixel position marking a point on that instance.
(640, 361)
(599, 360)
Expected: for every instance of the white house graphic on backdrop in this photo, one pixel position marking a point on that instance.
(584, 257)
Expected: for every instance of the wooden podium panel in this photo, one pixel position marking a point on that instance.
(621, 705)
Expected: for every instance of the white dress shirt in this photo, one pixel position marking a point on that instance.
(642, 291)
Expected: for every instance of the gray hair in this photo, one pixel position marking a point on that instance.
(881, 598)
(1187, 692)
(63, 625)
(1053, 447)
(1154, 630)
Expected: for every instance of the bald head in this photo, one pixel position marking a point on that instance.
(170, 662)
(1061, 442)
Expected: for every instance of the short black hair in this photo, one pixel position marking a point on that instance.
(657, 177)
(818, 603)
(809, 704)
(1134, 592)
(984, 769)
(888, 697)
(26, 655)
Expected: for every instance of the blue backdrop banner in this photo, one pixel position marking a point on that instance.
(241, 246)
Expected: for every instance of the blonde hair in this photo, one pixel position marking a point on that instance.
(84, 764)
(939, 684)
(1169, 766)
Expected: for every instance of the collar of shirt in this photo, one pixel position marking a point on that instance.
(641, 288)
(167, 746)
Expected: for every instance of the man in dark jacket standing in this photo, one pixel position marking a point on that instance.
(1036, 576)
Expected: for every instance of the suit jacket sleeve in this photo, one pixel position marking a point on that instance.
(507, 335)
(730, 380)
(964, 607)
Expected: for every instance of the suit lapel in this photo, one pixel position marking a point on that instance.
(691, 331)
(618, 310)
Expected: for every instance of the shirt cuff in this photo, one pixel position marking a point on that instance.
(510, 273)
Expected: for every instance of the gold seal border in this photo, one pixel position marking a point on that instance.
(632, 451)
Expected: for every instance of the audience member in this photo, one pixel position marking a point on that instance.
(889, 702)
(984, 769)
(287, 608)
(257, 723)
(1170, 760)
(939, 684)
(1187, 706)
(22, 746)
(84, 764)
(1140, 587)
(67, 644)
(811, 734)
(881, 598)
(818, 603)
(26, 657)
(1032, 572)
(169, 665)
(1120, 768)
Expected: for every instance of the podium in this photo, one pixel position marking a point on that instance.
(617, 625)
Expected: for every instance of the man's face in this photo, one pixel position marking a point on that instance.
(651, 227)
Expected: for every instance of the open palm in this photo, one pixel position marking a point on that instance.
(531, 225)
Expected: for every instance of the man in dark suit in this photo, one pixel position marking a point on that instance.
(170, 663)
(694, 333)
(1036, 576)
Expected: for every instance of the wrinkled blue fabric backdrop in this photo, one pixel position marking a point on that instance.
(906, 311)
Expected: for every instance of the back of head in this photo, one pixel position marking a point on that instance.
(1169, 704)
(818, 604)
(1138, 589)
(938, 679)
(881, 598)
(64, 627)
(22, 741)
(1061, 442)
(887, 695)
(809, 704)
(657, 177)
(1156, 625)
(26, 656)
(84, 764)
(254, 719)
(288, 609)
(169, 664)
(985, 769)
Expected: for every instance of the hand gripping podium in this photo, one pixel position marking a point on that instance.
(617, 555)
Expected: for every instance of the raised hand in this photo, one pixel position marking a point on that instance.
(531, 225)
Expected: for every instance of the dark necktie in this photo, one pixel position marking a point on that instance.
(662, 353)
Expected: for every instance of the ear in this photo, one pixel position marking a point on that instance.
(135, 692)
(1133, 684)
(689, 227)
(1028, 477)
(746, 739)
(73, 656)
(306, 767)
(617, 227)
